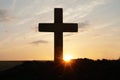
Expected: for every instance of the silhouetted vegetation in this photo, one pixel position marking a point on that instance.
(79, 69)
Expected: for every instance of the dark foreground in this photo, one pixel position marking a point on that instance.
(80, 69)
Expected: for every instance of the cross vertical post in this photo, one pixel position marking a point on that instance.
(58, 36)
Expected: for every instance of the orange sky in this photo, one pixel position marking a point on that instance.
(98, 22)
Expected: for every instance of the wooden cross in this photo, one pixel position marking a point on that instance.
(58, 27)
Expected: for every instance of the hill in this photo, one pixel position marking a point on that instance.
(79, 69)
(4, 65)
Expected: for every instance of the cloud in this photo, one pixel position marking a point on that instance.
(82, 26)
(13, 5)
(69, 34)
(82, 11)
(5, 16)
(38, 42)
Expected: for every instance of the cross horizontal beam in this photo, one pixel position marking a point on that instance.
(58, 27)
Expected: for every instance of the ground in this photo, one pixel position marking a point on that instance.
(79, 69)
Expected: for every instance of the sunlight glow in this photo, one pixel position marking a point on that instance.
(67, 58)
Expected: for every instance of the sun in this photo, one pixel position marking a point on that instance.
(67, 58)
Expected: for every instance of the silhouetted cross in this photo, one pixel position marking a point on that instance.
(58, 27)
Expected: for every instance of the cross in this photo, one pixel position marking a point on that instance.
(58, 27)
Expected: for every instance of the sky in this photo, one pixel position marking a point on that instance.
(97, 36)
